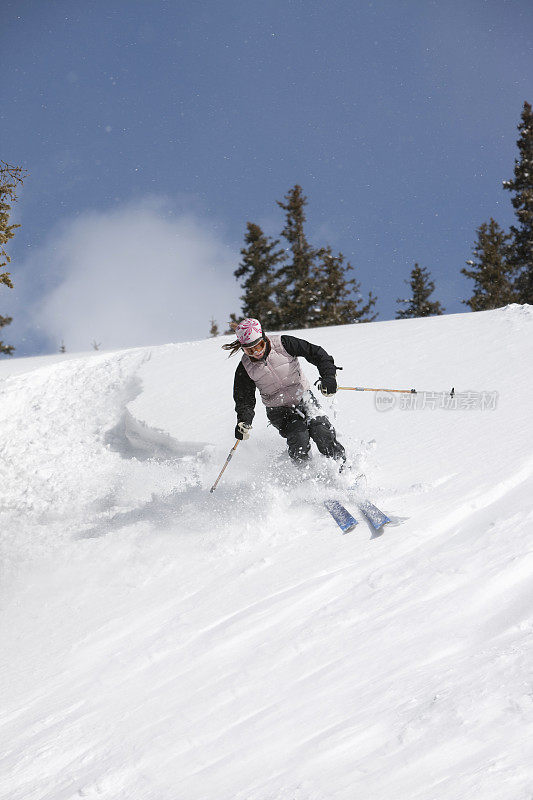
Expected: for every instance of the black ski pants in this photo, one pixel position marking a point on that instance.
(298, 424)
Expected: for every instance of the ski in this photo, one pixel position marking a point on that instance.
(376, 517)
(373, 514)
(341, 515)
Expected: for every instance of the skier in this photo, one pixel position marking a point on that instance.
(270, 364)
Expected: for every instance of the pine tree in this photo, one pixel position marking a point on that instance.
(339, 298)
(298, 287)
(258, 269)
(6, 349)
(302, 286)
(10, 178)
(213, 331)
(521, 253)
(490, 269)
(418, 304)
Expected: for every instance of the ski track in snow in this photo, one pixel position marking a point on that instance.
(159, 641)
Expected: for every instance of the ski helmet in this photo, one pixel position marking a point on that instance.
(249, 332)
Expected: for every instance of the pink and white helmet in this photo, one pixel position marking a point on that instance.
(249, 331)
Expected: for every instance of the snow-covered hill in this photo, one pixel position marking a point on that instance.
(160, 642)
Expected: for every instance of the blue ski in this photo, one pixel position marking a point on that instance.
(342, 516)
(376, 517)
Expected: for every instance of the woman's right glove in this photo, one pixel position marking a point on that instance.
(242, 430)
(328, 386)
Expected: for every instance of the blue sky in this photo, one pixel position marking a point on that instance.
(153, 131)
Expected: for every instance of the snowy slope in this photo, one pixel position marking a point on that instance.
(161, 642)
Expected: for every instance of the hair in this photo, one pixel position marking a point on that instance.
(235, 346)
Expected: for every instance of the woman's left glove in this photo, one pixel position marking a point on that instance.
(242, 430)
(328, 386)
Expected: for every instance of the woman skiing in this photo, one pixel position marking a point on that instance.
(270, 364)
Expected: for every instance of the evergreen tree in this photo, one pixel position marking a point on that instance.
(6, 349)
(10, 178)
(298, 288)
(302, 286)
(521, 254)
(418, 304)
(339, 299)
(213, 331)
(258, 269)
(490, 269)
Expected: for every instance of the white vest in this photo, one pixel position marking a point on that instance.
(279, 378)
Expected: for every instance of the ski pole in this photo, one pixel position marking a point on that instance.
(214, 486)
(366, 389)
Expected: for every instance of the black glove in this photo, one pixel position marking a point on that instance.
(242, 430)
(328, 386)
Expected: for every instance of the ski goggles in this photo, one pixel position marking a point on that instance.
(255, 349)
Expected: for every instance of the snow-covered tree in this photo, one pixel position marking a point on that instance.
(490, 269)
(339, 299)
(298, 284)
(301, 286)
(258, 268)
(314, 286)
(418, 303)
(521, 251)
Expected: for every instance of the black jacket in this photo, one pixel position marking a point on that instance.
(244, 386)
